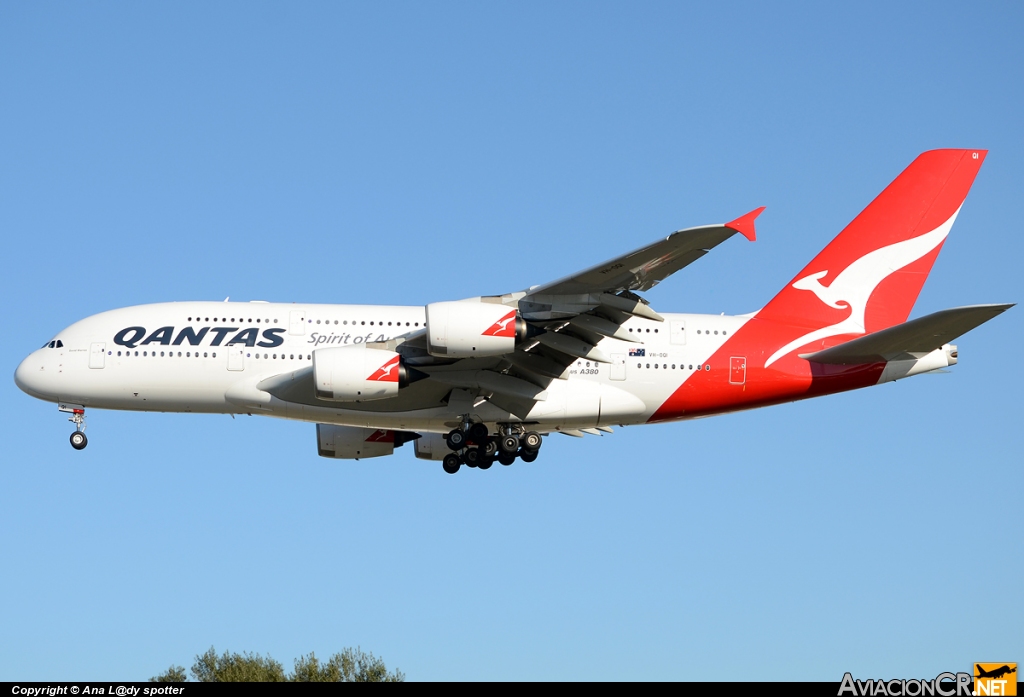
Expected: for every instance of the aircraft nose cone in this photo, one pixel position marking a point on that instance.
(30, 377)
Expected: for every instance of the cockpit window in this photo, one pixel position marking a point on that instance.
(52, 344)
(56, 343)
(60, 344)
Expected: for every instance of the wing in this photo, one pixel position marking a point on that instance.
(918, 336)
(639, 270)
(566, 320)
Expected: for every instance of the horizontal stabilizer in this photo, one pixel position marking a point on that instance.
(921, 335)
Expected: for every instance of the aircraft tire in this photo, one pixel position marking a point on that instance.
(78, 440)
(532, 441)
(490, 449)
(472, 457)
(485, 462)
(456, 439)
(451, 463)
(478, 433)
(528, 455)
(510, 444)
(506, 458)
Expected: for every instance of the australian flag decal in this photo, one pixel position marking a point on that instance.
(638, 352)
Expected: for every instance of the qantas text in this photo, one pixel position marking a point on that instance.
(213, 336)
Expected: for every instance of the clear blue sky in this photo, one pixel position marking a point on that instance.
(412, 152)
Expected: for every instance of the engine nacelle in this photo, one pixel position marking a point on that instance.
(432, 446)
(352, 443)
(356, 373)
(471, 328)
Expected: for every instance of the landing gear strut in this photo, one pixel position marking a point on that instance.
(78, 439)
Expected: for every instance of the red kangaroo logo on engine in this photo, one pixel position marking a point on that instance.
(506, 326)
(387, 372)
(381, 436)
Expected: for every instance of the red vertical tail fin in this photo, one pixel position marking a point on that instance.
(870, 275)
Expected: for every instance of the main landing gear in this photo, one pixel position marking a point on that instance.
(476, 447)
(78, 439)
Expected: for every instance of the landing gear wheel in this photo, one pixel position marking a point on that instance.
(532, 441)
(510, 444)
(472, 457)
(528, 455)
(506, 458)
(485, 462)
(478, 433)
(490, 449)
(456, 439)
(78, 440)
(451, 463)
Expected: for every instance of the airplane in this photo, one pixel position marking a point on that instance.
(482, 380)
(995, 673)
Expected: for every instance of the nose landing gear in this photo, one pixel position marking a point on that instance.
(78, 439)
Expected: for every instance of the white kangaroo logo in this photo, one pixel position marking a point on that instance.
(499, 327)
(855, 284)
(387, 368)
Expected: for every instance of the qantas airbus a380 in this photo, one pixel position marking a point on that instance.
(484, 379)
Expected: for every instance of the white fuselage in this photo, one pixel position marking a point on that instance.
(209, 357)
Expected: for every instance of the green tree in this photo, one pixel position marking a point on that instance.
(236, 667)
(173, 674)
(351, 665)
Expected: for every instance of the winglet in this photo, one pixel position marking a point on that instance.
(745, 224)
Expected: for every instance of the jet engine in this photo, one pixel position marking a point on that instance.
(352, 443)
(472, 328)
(432, 446)
(357, 373)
